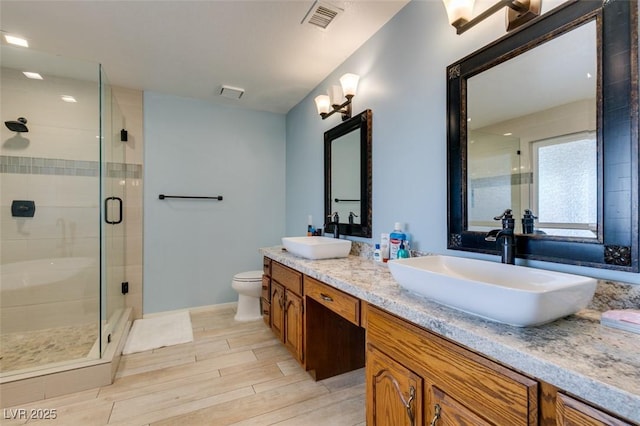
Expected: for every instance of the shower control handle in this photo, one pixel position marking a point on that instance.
(106, 210)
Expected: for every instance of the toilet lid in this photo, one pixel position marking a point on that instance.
(248, 276)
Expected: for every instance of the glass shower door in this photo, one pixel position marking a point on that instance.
(113, 214)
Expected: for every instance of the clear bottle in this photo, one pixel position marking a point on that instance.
(377, 255)
(384, 247)
(395, 239)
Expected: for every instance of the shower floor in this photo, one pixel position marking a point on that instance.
(29, 349)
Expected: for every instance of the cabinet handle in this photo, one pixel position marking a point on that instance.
(407, 405)
(326, 298)
(436, 415)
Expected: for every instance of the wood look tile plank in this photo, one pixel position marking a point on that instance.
(86, 414)
(162, 413)
(346, 412)
(188, 391)
(281, 381)
(313, 411)
(250, 406)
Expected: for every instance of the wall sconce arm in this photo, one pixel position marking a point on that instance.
(344, 109)
(525, 10)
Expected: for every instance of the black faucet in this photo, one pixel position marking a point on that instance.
(505, 237)
(528, 222)
(352, 215)
(336, 224)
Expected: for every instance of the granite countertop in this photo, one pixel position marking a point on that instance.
(596, 363)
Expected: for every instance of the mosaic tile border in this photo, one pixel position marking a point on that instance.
(62, 167)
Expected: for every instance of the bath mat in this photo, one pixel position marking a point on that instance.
(157, 332)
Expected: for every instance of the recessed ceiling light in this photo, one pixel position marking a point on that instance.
(507, 134)
(589, 75)
(18, 41)
(68, 98)
(32, 75)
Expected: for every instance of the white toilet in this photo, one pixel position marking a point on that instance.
(249, 288)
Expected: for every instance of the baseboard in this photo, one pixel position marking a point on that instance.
(216, 307)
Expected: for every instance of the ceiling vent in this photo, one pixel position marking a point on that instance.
(322, 14)
(231, 92)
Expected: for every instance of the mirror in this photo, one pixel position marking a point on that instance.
(540, 154)
(546, 119)
(347, 176)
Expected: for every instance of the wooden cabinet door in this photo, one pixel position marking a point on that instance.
(293, 324)
(443, 410)
(277, 310)
(394, 392)
(571, 412)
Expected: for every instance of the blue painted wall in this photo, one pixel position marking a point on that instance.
(403, 81)
(192, 249)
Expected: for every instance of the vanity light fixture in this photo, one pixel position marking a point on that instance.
(518, 12)
(329, 104)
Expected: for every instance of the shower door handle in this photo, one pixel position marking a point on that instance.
(106, 210)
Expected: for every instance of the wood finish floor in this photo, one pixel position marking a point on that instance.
(232, 374)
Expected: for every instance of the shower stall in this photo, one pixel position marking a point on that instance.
(62, 239)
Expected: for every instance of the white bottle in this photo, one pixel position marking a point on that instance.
(377, 256)
(384, 247)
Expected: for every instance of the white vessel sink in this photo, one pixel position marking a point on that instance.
(317, 247)
(509, 294)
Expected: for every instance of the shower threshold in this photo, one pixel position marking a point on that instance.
(60, 378)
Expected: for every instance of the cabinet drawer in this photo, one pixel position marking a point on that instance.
(266, 287)
(348, 307)
(286, 276)
(266, 266)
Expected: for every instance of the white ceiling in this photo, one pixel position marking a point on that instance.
(190, 48)
(536, 80)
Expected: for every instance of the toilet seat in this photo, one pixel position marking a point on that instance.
(249, 276)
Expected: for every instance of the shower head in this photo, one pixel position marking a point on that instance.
(20, 125)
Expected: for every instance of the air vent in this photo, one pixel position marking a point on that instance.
(321, 14)
(231, 92)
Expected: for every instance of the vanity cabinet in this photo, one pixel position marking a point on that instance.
(421, 378)
(413, 376)
(287, 308)
(571, 412)
(265, 299)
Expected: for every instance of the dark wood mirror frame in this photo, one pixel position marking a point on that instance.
(363, 123)
(617, 99)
